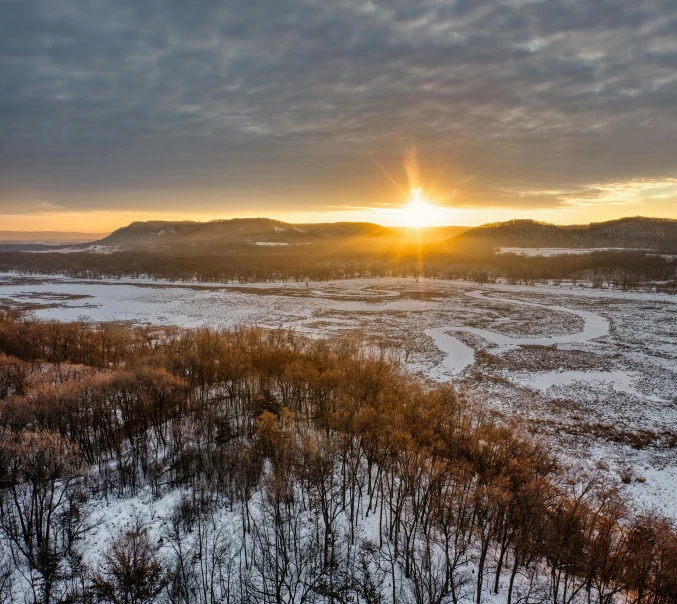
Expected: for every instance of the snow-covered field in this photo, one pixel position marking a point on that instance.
(585, 368)
(558, 251)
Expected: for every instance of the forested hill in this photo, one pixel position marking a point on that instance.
(643, 233)
(236, 231)
(637, 232)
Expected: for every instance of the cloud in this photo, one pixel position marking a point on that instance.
(628, 192)
(280, 98)
(47, 207)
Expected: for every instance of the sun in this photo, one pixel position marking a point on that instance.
(418, 212)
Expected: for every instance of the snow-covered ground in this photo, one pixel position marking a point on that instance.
(559, 251)
(585, 368)
(94, 249)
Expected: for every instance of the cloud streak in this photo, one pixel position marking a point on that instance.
(115, 102)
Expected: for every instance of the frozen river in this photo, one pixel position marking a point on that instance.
(459, 356)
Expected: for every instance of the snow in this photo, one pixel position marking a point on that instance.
(458, 356)
(560, 251)
(557, 357)
(657, 491)
(621, 381)
(594, 327)
(93, 249)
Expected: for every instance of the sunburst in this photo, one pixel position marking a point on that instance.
(418, 212)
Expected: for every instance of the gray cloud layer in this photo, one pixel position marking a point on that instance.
(282, 97)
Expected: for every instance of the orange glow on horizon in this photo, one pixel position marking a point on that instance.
(417, 198)
(390, 215)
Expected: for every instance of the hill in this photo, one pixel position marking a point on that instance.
(658, 234)
(236, 231)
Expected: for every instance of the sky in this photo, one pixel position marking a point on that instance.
(327, 110)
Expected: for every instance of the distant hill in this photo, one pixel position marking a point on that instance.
(236, 231)
(658, 234)
(47, 237)
(432, 234)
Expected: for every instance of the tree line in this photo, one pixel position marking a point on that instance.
(625, 270)
(306, 471)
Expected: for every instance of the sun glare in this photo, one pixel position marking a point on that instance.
(418, 212)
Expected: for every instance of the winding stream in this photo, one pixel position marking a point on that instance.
(458, 355)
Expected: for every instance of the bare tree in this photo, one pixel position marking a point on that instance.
(131, 573)
(7, 576)
(40, 469)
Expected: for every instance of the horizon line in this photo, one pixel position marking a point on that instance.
(106, 232)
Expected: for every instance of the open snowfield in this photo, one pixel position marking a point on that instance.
(593, 371)
(557, 251)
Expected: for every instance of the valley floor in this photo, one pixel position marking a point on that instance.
(593, 371)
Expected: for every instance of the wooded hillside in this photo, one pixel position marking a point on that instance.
(656, 234)
(305, 471)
